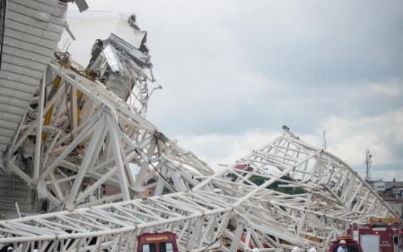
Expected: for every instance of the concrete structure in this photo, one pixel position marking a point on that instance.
(393, 189)
(396, 204)
(379, 186)
(392, 193)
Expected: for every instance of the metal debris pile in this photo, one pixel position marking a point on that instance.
(125, 68)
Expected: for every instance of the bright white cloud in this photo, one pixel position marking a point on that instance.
(381, 134)
(389, 89)
(348, 139)
(226, 148)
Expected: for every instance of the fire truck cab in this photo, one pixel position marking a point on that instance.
(352, 246)
(157, 242)
(379, 235)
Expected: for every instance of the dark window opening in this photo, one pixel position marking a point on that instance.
(166, 247)
(149, 248)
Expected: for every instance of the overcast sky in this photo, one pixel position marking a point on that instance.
(233, 72)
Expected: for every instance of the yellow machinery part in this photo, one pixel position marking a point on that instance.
(48, 115)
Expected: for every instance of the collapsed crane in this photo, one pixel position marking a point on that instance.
(277, 197)
(104, 174)
(50, 160)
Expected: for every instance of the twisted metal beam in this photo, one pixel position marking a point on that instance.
(287, 193)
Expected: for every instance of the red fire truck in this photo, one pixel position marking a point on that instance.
(379, 238)
(351, 245)
(379, 235)
(157, 242)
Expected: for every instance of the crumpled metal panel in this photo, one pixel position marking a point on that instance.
(125, 68)
(137, 55)
(112, 59)
(32, 32)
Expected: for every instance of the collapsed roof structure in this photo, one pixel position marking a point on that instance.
(76, 140)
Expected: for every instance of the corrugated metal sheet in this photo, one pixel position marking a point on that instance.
(14, 190)
(32, 32)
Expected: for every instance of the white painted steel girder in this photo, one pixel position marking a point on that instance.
(88, 147)
(287, 193)
(108, 223)
(85, 150)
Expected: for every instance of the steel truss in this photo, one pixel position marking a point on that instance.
(285, 194)
(81, 145)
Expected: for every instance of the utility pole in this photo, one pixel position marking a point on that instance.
(368, 163)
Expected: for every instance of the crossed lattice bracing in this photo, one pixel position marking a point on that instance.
(105, 175)
(110, 223)
(284, 194)
(81, 145)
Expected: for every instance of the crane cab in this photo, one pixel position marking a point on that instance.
(157, 242)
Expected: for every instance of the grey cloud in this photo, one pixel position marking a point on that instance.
(231, 66)
(322, 43)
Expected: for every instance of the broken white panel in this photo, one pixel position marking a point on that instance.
(112, 58)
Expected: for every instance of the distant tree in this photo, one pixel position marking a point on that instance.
(276, 186)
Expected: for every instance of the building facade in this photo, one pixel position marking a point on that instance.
(391, 192)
